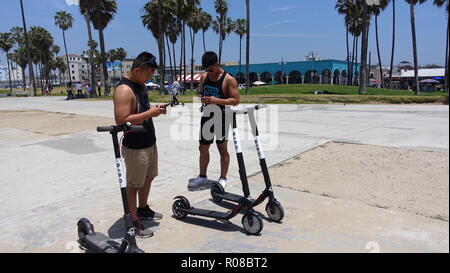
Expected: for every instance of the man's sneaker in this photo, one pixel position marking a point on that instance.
(196, 182)
(147, 213)
(142, 231)
(223, 182)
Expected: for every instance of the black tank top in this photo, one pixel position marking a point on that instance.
(214, 89)
(139, 140)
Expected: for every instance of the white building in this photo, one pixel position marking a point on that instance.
(16, 75)
(79, 70)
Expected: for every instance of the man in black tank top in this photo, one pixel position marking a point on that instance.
(131, 104)
(218, 89)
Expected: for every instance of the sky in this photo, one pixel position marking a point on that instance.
(286, 29)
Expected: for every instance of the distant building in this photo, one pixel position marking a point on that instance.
(79, 69)
(16, 76)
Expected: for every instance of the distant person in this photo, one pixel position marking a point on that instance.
(69, 91)
(99, 87)
(88, 90)
(79, 91)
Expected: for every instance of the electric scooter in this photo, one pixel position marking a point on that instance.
(251, 221)
(273, 208)
(90, 239)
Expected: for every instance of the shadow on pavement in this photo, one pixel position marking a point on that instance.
(117, 230)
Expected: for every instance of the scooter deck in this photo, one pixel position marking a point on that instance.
(232, 197)
(102, 243)
(208, 213)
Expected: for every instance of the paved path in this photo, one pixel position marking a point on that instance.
(48, 184)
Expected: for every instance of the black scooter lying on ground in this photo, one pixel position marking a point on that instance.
(90, 239)
(273, 208)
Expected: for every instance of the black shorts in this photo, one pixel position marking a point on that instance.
(220, 135)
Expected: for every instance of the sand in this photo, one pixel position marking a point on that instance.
(406, 180)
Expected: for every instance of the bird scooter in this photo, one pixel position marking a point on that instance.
(251, 221)
(273, 208)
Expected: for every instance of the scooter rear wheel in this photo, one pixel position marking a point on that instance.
(252, 224)
(275, 211)
(84, 228)
(215, 190)
(177, 206)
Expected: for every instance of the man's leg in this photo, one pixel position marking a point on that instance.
(204, 159)
(224, 158)
(144, 192)
(131, 195)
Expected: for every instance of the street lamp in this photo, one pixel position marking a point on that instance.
(282, 68)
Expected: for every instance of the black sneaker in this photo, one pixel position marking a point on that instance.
(147, 213)
(142, 231)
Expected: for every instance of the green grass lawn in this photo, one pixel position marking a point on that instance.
(335, 89)
(297, 93)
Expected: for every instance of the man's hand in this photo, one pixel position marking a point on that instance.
(211, 100)
(159, 110)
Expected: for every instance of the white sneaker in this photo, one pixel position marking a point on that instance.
(196, 182)
(223, 182)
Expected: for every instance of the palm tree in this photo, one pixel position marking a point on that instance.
(195, 24)
(391, 68)
(241, 30)
(28, 49)
(86, 9)
(412, 4)
(343, 7)
(173, 31)
(42, 41)
(20, 57)
(247, 58)
(440, 3)
(206, 21)
(221, 7)
(376, 10)
(111, 55)
(121, 55)
(6, 43)
(17, 36)
(102, 15)
(64, 21)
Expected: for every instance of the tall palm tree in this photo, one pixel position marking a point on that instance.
(103, 14)
(240, 30)
(28, 49)
(121, 55)
(343, 7)
(247, 58)
(221, 7)
(87, 8)
(173, 31)
(17, 36)
(42, 40)
(412, 4)
(6, 43)
(195, 24)
(207, 22)
(20, 57)
(440, 3)
(391, 66)
(376, 10)
(64, 21)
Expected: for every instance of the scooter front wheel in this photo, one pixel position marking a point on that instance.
(179, 206)
(275, 211)
(84, 228)
(252, 224)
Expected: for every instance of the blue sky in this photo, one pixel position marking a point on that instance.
(281, 28)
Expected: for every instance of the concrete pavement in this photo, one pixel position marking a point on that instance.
(48, 183)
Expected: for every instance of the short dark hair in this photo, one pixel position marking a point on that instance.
(145, 59)
(209, 58)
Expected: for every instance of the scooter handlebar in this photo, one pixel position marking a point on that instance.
(121, 128)
(246, 109)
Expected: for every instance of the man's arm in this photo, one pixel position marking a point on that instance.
(202, 81)
(232, 91)
(124, 104)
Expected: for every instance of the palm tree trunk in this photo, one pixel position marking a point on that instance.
(204, 45)
(393, 45)
(184, 56)
(356, 58)
(416, 65)
(27, 46)
(352, 62)
(104, 68)
(9, 73)
(447, 63)
(67, 55)
(247, 61)
(174, 62)
(348, 57)
(192, 57)
(23, 78)
(91, 57)
(378, 52)
(181, 62)
(240, 58)
(170, 55)
(364, 47)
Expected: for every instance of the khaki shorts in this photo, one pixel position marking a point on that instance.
(141, 164)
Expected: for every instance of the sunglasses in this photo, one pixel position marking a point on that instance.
(152, 61)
